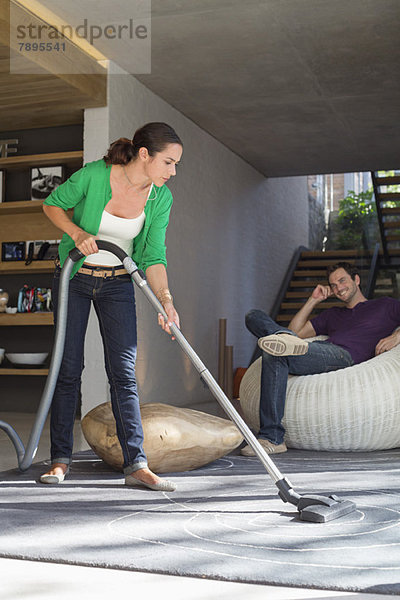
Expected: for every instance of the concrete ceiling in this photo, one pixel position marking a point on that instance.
(292, 86)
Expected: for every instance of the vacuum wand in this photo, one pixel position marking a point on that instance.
(205, 374)
(313, 508)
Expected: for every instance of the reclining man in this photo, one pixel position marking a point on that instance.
(356, 332)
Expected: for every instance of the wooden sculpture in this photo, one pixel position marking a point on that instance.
(175, 439)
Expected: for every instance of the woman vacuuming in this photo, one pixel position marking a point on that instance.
(123, 199)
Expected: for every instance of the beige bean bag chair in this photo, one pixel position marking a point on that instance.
(353, 409)
(175, 439)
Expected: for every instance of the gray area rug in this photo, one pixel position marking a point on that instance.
(225, 521)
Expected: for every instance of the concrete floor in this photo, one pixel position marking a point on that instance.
(38, 580)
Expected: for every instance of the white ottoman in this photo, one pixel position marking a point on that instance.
(353, 409)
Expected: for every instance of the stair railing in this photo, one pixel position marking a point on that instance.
(373, 272)
(282, 292)
(380, 219)
(286, 281)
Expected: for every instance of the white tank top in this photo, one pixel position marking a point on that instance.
(119, 231)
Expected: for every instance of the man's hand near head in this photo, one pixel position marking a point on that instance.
(300, 324)
(321, 293)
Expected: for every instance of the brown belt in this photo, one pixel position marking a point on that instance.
(100, 272)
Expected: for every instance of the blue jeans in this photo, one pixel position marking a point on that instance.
(114, 302)
(321, 357)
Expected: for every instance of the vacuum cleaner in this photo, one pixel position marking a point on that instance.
(314, 508)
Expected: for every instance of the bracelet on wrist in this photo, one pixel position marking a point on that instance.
(164, 296)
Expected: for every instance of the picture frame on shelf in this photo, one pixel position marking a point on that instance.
(2, 185)
(45, 180)
(12, 251)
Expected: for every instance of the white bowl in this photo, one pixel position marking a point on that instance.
(32, 358)
(2, 352)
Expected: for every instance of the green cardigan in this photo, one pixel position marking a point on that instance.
(88, 191)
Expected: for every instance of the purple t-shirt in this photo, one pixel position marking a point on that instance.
(359, 329)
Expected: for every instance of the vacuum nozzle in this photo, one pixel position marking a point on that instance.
(320, 509)
(314, 508)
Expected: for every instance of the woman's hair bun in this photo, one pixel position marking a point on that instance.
(153, 136)
(120, 152)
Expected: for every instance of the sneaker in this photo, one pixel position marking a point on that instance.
(268, 446)
(283, 344)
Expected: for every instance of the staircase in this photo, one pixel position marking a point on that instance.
(387, 198)
(308, 269)
(379, 271)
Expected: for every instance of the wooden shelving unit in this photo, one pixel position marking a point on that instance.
(12, 211)
(25, 221)
(23, 207)
(23, 319)
(11, 371)
(42, 160)
(16, 268)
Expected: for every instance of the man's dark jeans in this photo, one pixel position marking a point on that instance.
(321, 357)
(114, 301)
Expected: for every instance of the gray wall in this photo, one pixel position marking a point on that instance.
(95, 388)
(231, 236)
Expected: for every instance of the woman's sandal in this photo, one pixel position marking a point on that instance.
(52, 479)
(162, 486)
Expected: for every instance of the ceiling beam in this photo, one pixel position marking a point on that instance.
(39, 91)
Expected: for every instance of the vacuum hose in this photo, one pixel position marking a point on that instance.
(26, 456)
(311, 507)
